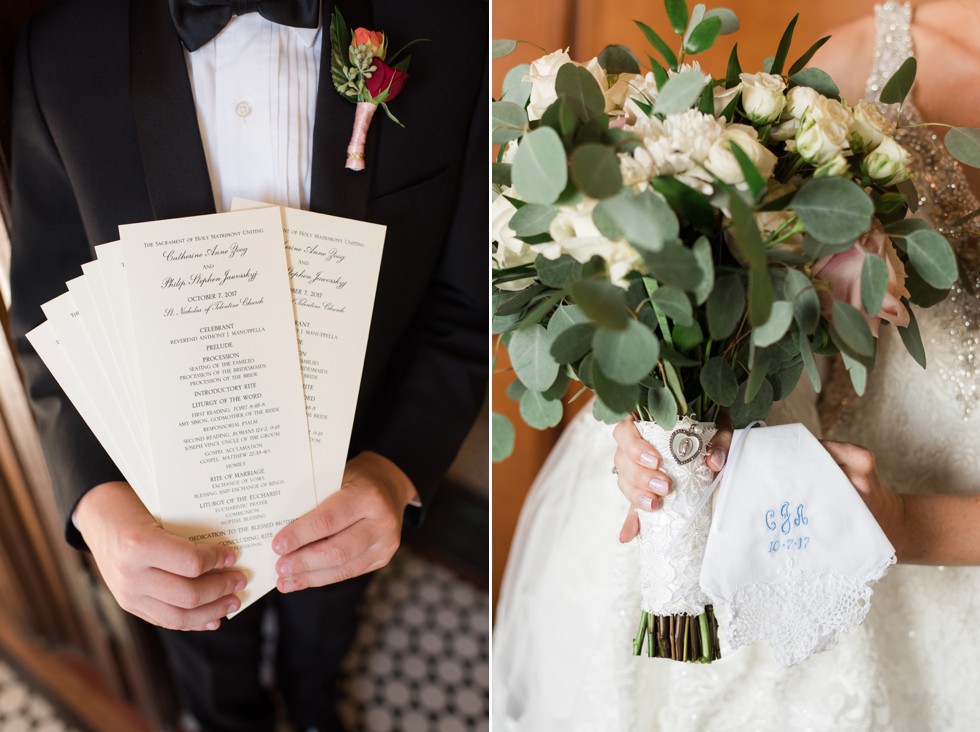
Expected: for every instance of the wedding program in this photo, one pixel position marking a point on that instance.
(218, 359)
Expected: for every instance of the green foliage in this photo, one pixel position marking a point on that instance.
(532, 219)
(899, 86)
(595, 170)
(618, 59)
(911, 338)
(803, 60)
(742, 413)
(658, 43)
(728, 19)
(600, 301)
(798, 289)
(963, 144)
(833, 210)
(662, 406)
(783, 50)
(674, 304)
(538, 412)
(874, 283)
(619, 398)
(680, 93)
(704, 35)
(677, 14)
(775, 327)
(851, 333)
(514, 88)
(931, 256)
(573, 343)
(626, 356)
(644, 220)
(540, 171)
(530, 355)
(577, 85)
(726, 304)
(502, 432)
(501, 47)
(818, 80)
(719, 382)
(558, 272)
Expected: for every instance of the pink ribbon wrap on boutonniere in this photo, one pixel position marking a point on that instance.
(363, 72)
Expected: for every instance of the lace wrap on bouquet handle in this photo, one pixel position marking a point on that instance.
(670, 580)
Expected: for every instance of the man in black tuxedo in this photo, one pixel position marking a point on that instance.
(105, 133)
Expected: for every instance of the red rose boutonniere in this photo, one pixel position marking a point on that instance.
(364, 73)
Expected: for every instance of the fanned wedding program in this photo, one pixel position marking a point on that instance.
(218, 359)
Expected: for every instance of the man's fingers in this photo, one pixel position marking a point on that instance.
(188, 594)
(332, 575)
(638, 450)
(341, 549)
(337, 512)
(182, 557)
(631, 527)
(206, 617)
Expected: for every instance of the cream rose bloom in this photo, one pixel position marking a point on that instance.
(799, 99)
(868, 127)
(643, 89)
(763, 96)
(722, 162)
(888, 163)
(511, 251)
(837, 166)
(723, 97)
(616, 95)
(542, 77)
(823, 131)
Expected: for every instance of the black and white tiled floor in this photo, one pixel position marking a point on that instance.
(23, 709)
(421, 659)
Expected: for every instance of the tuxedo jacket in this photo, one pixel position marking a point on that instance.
(105, 133)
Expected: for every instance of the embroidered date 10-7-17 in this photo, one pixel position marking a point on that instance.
(783, 524)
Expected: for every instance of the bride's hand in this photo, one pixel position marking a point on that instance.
(637, 464)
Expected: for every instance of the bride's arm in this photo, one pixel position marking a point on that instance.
(924, 528)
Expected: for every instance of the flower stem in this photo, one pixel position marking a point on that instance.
(705, 637)
(638, 641)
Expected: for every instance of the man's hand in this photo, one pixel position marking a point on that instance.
(637, 464)
(353, 531)
(162, 578)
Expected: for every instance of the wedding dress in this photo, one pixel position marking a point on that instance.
(569, 603)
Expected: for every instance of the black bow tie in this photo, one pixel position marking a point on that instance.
(198, 21)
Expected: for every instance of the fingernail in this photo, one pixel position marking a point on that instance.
(286, 586)
(659, 486)
(240, 585)
(230, 559)
(649, 460)
(213, 625)
(645, 502)
(279, 546)
(284, 569)
(718, 457)
(233, 606)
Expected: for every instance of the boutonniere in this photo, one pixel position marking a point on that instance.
(364, 73)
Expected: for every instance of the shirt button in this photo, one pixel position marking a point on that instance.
(243, 109)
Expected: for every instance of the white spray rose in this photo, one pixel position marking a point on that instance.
(724, 97)
(615, 95)
(837, 166)
(542, 77)
(799, 99)
(888, 163)
(640, 89)
(824, 109)
(722, 162)
(762, 96)
(511, 251)
(785, 130)
(868, 127)
(823, 131)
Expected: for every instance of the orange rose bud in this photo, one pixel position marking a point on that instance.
(374, 41)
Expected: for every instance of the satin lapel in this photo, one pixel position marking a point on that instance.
(166, 121)
(334, 189)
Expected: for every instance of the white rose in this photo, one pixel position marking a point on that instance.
(724, 97)
(575, 234)
(615, 95)
(542, 77)
(820, 141)
(722, 162)
(762, 96)
(785, 130)
(888, 163)
(511, 251)
(509, 153)
(799, 99)
(636, 169)
(868, 127)
(824, 109)
(640, 89)
(836, 166)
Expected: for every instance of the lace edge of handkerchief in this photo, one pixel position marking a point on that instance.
(802, 613)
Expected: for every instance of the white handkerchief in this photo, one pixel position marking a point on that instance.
(792, 551)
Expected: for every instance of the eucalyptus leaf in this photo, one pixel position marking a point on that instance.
(803, 60)
(743, 414)
(757, 375)
(687, 337)
(573, 343)
(687, 203)
(558, 272)
(851, 333)
(963, 144)
(899, 86)
(604, 414)
(540, 413)
(501, 174)
(658, 43)
(662, 406)
(719, 382)
(674, 303)
(932, 257)
(560, 117)
(748, 240)
(628, 355)
(833, 210)
(704, 35)
(858, 373)
(809, 362)
(874, 283)
(775, 327)
(513, 303)
(680, 93)
(911, 337)
(697, 15)
(617, 397)
(728, 18)
(783, 50)
(509, 122)
(579, 87)
(558, 389)
(530, 355)
(601, 301)
(675, 265)
(705, 258)
(564, 317)
(817, 80)
(675, 386)
(532, 220)
(726, 304)
(503, 437)
(540, 171)
(618, 59)
(595, 169)
(515, 390)
(515, 89)
(677, 14)
(644, 220)
(799, 290)
(503, 47)
(785, 380)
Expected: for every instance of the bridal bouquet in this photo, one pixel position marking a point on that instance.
(683, 244)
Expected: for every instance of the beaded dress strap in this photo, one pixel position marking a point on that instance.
(893, 44)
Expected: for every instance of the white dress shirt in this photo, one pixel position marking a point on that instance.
(255, 87)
